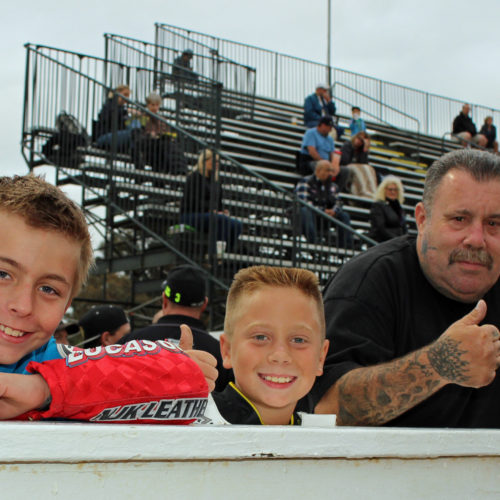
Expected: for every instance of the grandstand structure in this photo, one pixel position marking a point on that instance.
(245, 104)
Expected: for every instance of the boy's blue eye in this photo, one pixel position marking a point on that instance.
(4, 275)
(48, 290)
(260, 337)
(299, 340)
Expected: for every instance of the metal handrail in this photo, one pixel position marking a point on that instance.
(380, 103)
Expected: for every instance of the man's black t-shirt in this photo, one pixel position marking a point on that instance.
(379, 307)
(168, 327)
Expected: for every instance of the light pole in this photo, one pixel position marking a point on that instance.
(328, 44)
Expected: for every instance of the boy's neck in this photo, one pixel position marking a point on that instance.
(269, 416)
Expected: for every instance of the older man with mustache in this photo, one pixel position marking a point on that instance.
(413, 324)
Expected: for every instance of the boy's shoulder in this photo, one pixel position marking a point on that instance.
(50, 350)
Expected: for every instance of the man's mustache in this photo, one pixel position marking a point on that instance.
(471, 255)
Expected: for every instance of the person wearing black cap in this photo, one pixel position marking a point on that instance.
(183, 302)
(104, 325)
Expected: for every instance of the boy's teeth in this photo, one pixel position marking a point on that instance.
(9, 331)
(278, 380)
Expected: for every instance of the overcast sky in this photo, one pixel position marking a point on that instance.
(442, 46)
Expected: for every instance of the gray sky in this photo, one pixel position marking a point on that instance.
(441, 46)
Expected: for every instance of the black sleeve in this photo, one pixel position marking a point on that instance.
(377, 223)
(346, 153)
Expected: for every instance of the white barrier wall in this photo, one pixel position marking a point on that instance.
(85, 461)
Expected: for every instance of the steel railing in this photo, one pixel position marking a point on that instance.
(290, 79)
(136, 205)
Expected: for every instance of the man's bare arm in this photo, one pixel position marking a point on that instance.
(313, 153)
(466, 354)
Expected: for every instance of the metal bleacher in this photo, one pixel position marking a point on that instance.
(134, 209)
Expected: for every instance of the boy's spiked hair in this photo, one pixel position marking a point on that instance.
(247, 281)
(44, 206)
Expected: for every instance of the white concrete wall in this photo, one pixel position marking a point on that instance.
(84, 461)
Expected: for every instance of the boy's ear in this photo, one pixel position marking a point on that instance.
(225, 350)
(322, 356)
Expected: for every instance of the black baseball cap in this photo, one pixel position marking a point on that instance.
(185, 286)
(100, 319)
(326, 120)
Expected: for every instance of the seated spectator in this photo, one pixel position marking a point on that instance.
(318, 105)
(387, 217)
(490, 132)
(64, 331)
(354, 156)
(357, 123)
(183, 302)
(104, 325)
(317, 144)
(156, 145)
(321, 192)
(464, 128)
(202, 200)
(181, 69)
(124, 122)
(274, 340)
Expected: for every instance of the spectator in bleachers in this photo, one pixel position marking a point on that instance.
(183, 302)
(354, 156)
(202, 199)
(318, 105)
(464, 128)
(490, 132)
(387, 217)
(156, 145)
(317, 144)
(357, 123)
(104, 325)
(182, 69)
(125, 123)
(321, 192)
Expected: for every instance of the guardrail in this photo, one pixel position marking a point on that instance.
(290, 79)
(136, 201)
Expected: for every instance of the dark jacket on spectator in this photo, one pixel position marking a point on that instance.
(319, 194)
(351, 155)
(313, 110)
(387, 220)
(105, 119)
(197, 193)
(490, 133)
(464, 123)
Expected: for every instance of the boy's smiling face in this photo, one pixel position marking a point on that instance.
(276, 350)
(37, 274)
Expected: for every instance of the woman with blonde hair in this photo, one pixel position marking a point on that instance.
(387, 217)
(202, 200)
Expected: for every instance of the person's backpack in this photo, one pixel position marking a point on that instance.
(61, 148)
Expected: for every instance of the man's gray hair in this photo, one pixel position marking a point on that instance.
(480, 165)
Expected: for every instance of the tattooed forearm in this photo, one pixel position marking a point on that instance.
(378, 394)
(446, 358)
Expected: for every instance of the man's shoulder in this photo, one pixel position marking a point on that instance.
(389, 259)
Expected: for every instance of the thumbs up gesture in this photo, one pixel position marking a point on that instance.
(467, 353)
(203, 359)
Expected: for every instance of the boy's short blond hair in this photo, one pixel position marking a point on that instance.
(44, 206)
(249, 280)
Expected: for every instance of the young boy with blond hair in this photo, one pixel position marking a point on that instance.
(45, 256)
(274, 340)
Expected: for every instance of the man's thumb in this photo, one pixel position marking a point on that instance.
(186, 340)
(476, 315)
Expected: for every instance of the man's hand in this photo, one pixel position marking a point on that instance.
(466, 353)
(330, 212)
(21, 393)
(203, 359)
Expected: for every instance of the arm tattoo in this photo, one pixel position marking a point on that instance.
(378, 394)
